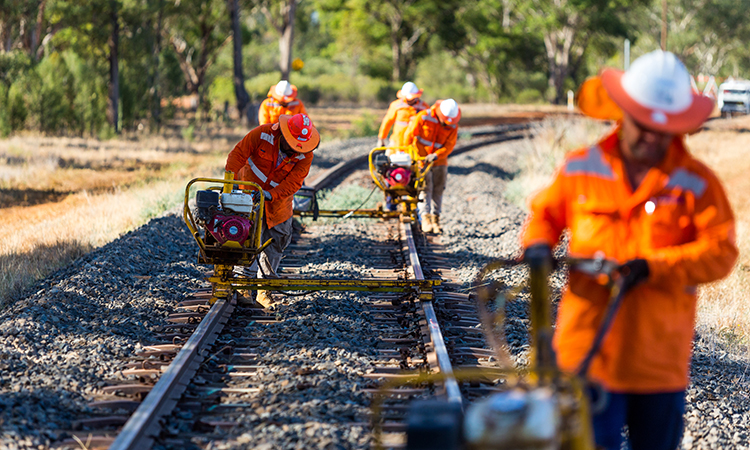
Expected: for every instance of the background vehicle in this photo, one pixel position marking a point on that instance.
(734, 97)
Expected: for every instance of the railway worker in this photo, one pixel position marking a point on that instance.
(277, 157)
(282, 99)
(433, 132)
(641, 199)
(408, 104)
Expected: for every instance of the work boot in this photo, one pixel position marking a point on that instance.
(264, 298)
(436, 224)
(427, 223)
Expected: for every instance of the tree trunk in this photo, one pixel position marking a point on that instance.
(285, 42)
(243, 99)
(36, 34)
(114, 70)
(558, 44)
(155, 97)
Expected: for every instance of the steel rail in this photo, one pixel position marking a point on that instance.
(444, 363)
(140, 430)
(503, 134)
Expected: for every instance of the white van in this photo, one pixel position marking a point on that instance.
(734, 97)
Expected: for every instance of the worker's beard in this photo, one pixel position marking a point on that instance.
(649, 153)
(286, 149)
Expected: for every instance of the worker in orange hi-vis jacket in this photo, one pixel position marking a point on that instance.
(400, 112)
(277, 157)
(282, 100)
(637, 197)
(434, 132)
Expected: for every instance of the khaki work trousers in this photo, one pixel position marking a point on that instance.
(431, 199)
(271, 257)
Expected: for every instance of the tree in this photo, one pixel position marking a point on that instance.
(567, 27)
(196, 30)
(495, 46)
(113, 103)
(281, 15)
(243, 99)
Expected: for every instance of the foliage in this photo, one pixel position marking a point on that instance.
(54, 54)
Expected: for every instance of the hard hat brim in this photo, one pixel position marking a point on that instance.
(403, 96)
(297, 145)
(283, 98)
(674, 123)
(594, 101)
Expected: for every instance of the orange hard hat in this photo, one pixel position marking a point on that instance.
(299, 132)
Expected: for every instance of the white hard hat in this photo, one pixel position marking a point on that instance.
(660, 81)
(657, 93)
(409, 88)
(449, 108)
(409, 91)
(284, 88)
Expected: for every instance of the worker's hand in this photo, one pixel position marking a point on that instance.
(267, 195)
(539, 255)
(381, 142)
(633, 273)
(430, 158)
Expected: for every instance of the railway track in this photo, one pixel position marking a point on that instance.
(210, 362)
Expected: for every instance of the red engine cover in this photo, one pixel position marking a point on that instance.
(229, 228)
(398, 177)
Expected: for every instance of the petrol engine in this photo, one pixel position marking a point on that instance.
(225, 216)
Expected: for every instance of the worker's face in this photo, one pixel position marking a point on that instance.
(413, 101)
(286, 148)
(642, 145)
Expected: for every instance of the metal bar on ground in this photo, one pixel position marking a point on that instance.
(444, 362)
(139, 431)
(302, 284)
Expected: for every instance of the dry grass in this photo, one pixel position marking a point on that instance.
(724, 310)
(87, 193)
(552, 139)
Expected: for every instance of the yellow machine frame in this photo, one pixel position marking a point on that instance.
(407, 205)
(225, 281)
(242, 255)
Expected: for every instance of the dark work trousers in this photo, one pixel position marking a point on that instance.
(654, 421)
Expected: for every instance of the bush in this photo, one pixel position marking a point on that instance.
(529, 96)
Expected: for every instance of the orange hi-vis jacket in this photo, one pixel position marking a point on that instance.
(430, 136)
(254, 159)
(679, 220)
(398, 116)
(271, 109)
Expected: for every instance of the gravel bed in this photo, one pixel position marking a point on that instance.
(314, 360)
(71, 333)
(59, 344)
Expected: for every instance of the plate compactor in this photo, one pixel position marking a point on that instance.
(399, 172)
(226, 222)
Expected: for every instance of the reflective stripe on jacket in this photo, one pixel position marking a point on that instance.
(271, 109)
(679, 220)
(398, 116)
(254, 159)
(430, 136)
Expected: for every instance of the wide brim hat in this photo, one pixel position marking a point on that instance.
(655, 91)
(283, 98)
(298, 143)
(403, 96)
(657, 119)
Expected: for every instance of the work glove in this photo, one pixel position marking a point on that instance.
(538, 255)
(267, 195)
(633, 273)
(430, 158)
(381, 142)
